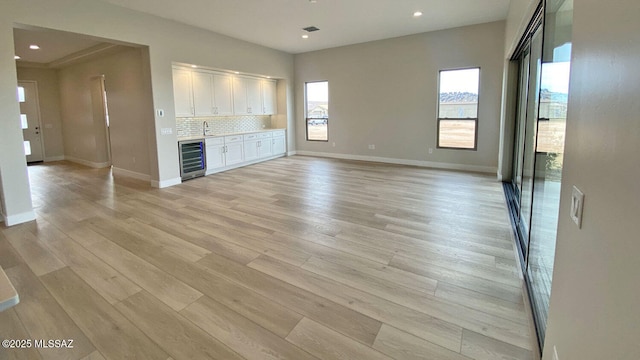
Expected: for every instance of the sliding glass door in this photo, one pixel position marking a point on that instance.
(552, 117)
(534, 190)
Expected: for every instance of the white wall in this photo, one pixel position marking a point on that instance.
(167, 41)
(49, 99)
(385, 93)
(594, 311)
(130, 111)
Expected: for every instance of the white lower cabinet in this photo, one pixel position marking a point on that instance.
(214, 153)
(234, 149)
(278, 143)
(226, 152)
(264, 145)
(250, 147)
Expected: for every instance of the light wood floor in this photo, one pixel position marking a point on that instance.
(296, 258)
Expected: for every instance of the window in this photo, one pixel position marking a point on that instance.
(317, 110)
(458, 108)
(21, 97)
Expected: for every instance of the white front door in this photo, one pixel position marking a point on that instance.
(30, 119)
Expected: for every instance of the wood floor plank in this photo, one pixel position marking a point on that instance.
(37, 256)
(221, 247)
(401, 345)
(382, 271)
(43, 318)
(166, 240)
(104, 279)
(176, 335)
(481, 302)
(340, 318)
(8, 255)
(239, 333)
(12, 328)
(292, 256)
(113, 335)
(94, 356)
(484, 286)
(325, 343)
(430, 328)
(463, 316)
(261, 310)
(480, 347)
(165, 287)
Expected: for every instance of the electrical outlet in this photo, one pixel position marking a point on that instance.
(166, 131)
(160, 112)
(334, 144)
(372, 147)
(133, 159)
(577, 203)
(430, 150)
(555, 353)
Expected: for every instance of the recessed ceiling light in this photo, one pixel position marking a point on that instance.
(16, 57)
(305, 36)
(194, 66)
(34, 47)
(313, 1)
(268, 77)
(236, 72)
(417, 14)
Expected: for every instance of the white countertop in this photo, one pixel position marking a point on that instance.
(197, 137)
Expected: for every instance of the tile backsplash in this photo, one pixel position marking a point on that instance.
(221, 124)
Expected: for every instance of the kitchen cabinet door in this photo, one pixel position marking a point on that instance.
(234, 153)
(203, 93)
(254, 96)
(251, 150)
(278, 145)
(269, 97)
(240, 104)
(222, 94)
(182, 93)
(214, 153)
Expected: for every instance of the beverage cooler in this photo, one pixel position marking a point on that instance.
(192, 159)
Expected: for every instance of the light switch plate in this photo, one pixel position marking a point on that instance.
(577, 203)
(166, 131)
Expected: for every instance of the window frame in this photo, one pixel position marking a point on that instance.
(475, 120)
(306, 111)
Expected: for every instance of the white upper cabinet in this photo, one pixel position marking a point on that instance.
(269, 97)
(212, 94)
(182, 92)
(222, 94)
(208, 93)
(240, 103)
(203, 101)
(247, 96)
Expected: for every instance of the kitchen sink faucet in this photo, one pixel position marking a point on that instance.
(205, 126)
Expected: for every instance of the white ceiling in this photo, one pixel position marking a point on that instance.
(54, 45)
(278, 23)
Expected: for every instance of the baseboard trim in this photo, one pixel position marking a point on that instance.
(291, 153)
(165, 183)
(54, 158)
(419, 163)
(116, 171)
(16, 219)
(88, 163)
